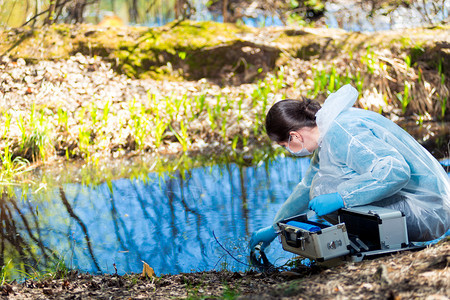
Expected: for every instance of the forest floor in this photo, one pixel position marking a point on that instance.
(421, 274)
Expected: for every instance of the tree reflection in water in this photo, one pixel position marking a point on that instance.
(166, 220)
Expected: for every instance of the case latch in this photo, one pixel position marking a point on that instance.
(295, 238)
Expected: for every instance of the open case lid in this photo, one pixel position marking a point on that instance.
(371, 212)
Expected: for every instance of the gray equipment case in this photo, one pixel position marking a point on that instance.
(327, 243)
(360, 232)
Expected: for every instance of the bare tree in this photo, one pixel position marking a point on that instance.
(133, 11)
(177, 8)
(113, 5)
(76, 11)
(51, 12)
(183, 9)
(225, 10)
(60, 5)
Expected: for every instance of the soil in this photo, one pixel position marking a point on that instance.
(421, 274)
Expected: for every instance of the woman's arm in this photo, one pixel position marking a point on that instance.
(379, 169)
(297, 202)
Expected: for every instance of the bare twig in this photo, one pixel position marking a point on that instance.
(426, 15)
(43, 12)
(229, 252)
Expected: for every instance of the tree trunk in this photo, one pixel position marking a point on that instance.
(225, 10)
(51, 12)
(133, 11)
(176, 9)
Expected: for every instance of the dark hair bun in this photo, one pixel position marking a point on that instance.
(310, 108)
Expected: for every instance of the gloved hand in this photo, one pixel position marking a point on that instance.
(325, 204)
(265, 235)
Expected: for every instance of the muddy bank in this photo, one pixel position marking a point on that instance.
(410, 275)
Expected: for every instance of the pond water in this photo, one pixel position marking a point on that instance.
(170, 221)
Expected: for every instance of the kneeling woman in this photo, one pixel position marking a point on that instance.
(359, 158)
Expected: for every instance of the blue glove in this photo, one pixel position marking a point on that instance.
(265, 236)
(325, 204)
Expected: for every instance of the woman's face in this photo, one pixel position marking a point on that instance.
(306, 137)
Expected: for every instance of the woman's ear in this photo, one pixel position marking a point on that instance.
(292, 134)
(295, 134)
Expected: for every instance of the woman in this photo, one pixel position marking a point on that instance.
(359, 158)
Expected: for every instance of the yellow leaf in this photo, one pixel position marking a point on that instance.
(147, 270)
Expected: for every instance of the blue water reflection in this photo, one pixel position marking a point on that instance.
(166, 221)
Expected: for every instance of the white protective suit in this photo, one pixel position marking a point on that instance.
(368, 159)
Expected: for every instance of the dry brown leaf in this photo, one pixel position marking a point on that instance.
(147, 270)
